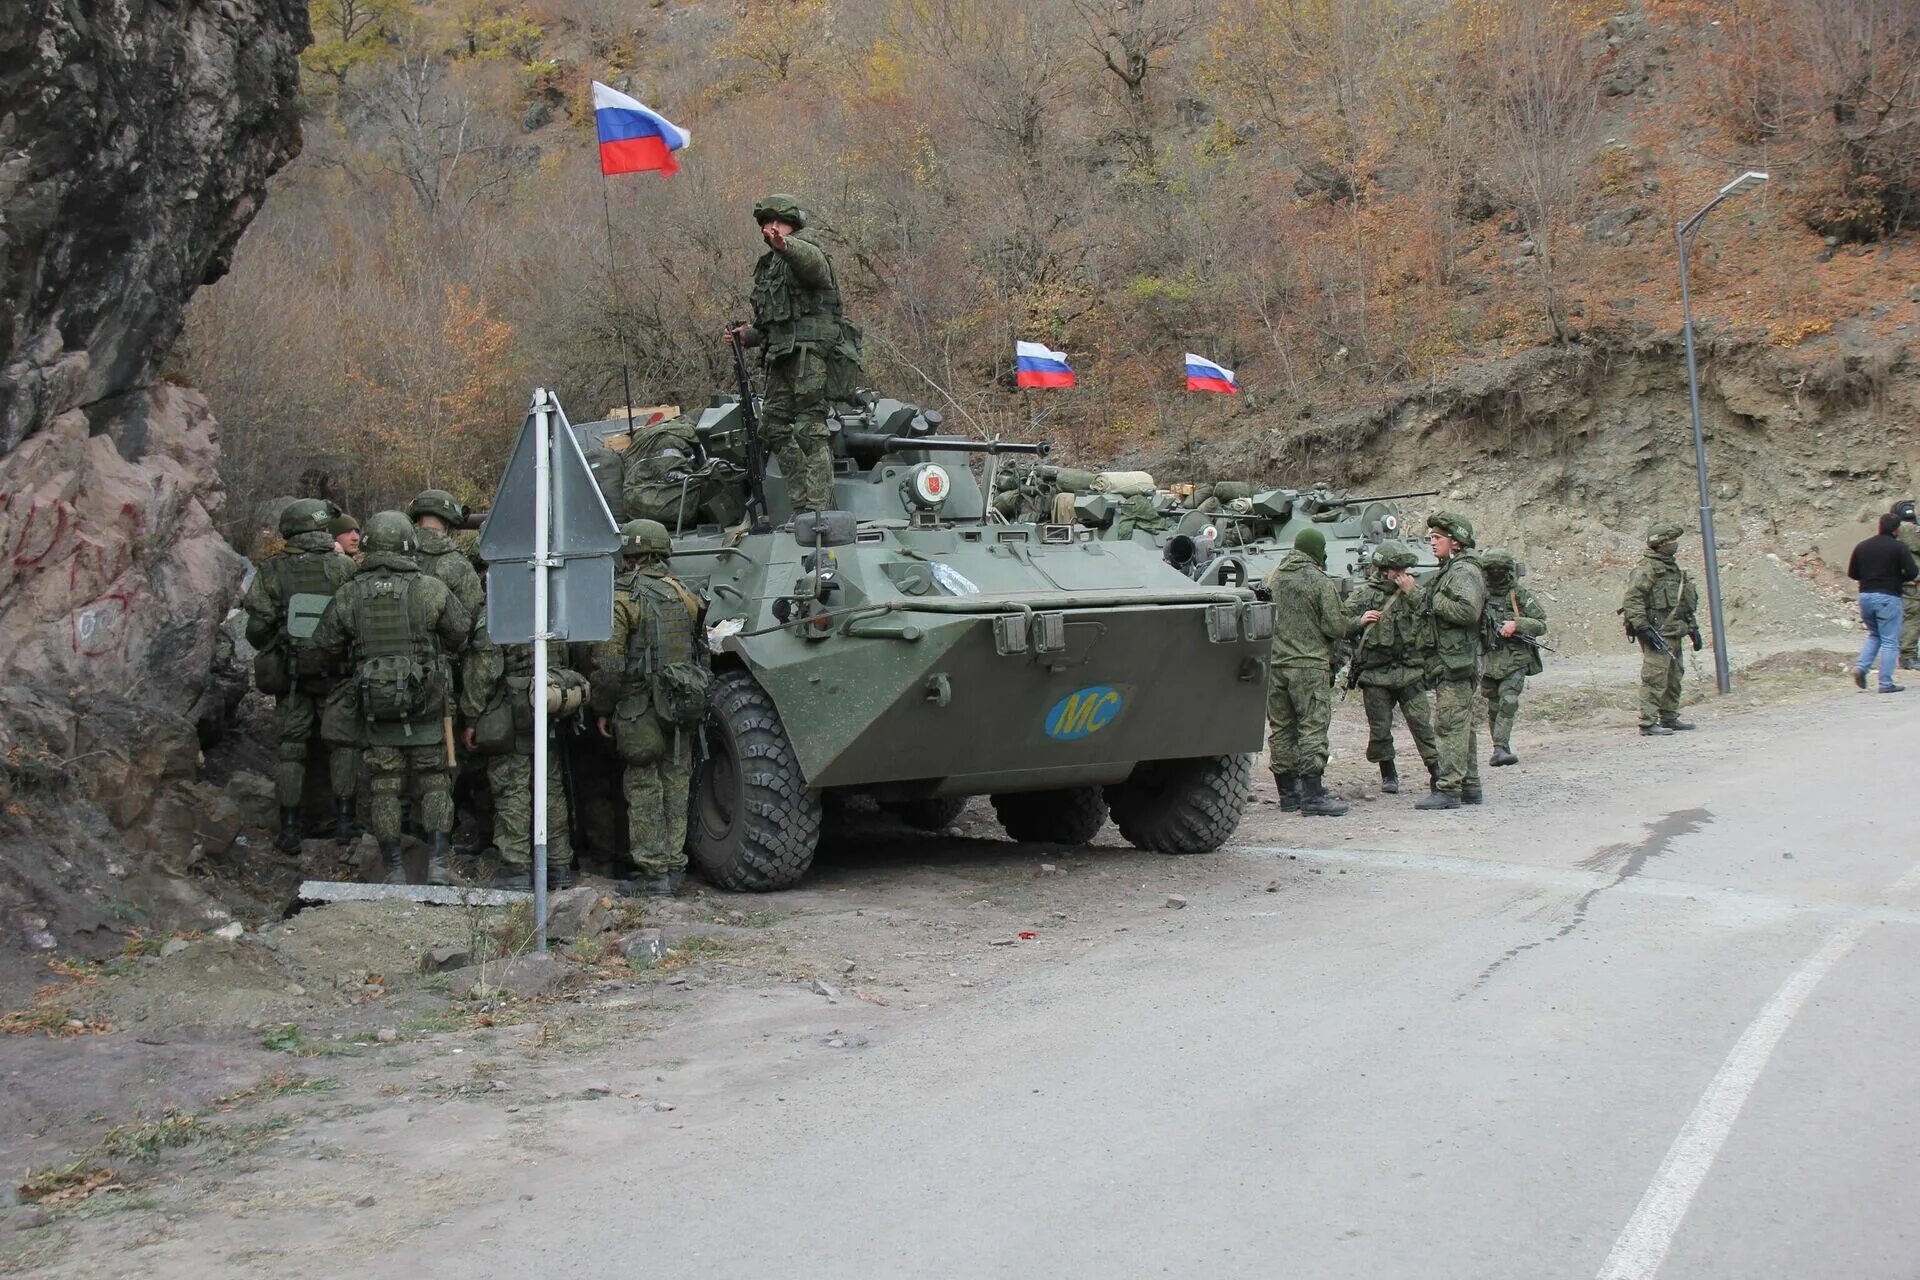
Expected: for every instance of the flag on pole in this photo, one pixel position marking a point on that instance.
(1204, 375)
(1037, 366)
(634, 138)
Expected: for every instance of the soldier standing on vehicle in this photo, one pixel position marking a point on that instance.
(651, 683)
(1389, 662)
(1909, 535)
(398, 629)
(1308, 621)
(1660, 609)
(1453, 603)
(797, 322)
(1512, 612)
(289, 592)
(496, 702)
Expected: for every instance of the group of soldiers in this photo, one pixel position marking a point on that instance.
(1443, 653)
(374, 642)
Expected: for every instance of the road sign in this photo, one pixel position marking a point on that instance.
(549, 543)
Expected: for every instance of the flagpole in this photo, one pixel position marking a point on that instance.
(620, 329)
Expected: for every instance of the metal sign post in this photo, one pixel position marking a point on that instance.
(550, 516)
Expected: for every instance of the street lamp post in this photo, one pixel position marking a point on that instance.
(1682, 234)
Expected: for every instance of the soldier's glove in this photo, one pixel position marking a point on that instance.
(1262, 593)
(1694, 636)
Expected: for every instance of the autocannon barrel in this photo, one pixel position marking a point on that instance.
(866, 441)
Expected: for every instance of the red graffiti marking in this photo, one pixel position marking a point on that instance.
(41, 533)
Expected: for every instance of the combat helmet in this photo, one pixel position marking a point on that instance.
(1905, 510)
(1454, 525)
(1664, 532)
(306, 515)
(645, 538)
(1393, 555)
(440, 503)
(391, 532)
(779, 205)
(1500, 562)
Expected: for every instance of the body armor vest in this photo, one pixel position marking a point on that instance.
(303, 590)
(383, 620)
(668, 635)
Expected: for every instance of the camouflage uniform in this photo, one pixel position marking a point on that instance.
(1389, 665)
(1509, 661)
(1909, 535)
(1661, 598)
(306, 574)
(439, 556)
(1307, 622)
(797, 319)
(1452, 603)
(495, 699)
(391, 614)
(657, 623)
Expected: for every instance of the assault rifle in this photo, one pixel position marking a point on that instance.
(750, 422)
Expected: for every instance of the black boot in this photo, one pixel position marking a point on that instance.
(344, 827)
(1470, 795)
(437, 870)
(559, 876)
(1433, 779)
(664, 885)
(1389, 778)
(288, 841)
(394, 865)
(1314, 800)
(1289, 785)
(1438, 800)
(512, 877)
(1501, 755)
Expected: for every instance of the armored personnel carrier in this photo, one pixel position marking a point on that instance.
(913, 647)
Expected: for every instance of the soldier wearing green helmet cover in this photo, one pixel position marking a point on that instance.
(799, 325)
(436, 514)
(1307, 622)
(1452, 604)
(1660, 610)
(284, 600)
(651, 683)
(1389, 662)
(1512, 610)
(398, 628)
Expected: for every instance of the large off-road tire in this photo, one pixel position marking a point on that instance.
(755, 820)
(1071, 815)
(934, 813)
(1182, 806)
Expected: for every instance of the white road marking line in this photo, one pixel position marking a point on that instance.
(1649, 1233)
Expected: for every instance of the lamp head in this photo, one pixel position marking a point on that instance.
(1745, 182)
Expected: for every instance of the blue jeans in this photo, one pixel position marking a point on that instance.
(1882, 615)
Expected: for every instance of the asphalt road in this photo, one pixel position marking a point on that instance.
(1661, 1026)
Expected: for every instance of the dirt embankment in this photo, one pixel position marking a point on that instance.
(1566, 455)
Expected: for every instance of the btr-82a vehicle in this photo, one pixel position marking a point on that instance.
(912, 647)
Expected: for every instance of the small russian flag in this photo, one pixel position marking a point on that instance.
(1037, 366)
(1204, 375)
(632, 137)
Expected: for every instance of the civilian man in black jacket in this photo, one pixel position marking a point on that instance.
(1882, 565)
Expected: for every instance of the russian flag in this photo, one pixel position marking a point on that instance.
(632, 138)
(1036, 366)
(1204, 375)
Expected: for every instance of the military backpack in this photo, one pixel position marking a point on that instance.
(666, 654)
(303, 590)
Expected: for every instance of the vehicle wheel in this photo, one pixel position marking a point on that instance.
(755, 822)
(1071, 815)
(935, 813)
(1182, 806)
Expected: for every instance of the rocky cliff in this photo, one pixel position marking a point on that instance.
(136, 140)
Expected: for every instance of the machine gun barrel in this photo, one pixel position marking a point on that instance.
(869, 441)
(1390, 497)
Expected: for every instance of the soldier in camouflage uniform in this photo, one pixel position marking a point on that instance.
(658, 651)
(1307, 622)
(346, 534)
(1661, 603)
(1452, 605)
(398, 628)
(284, 600)
(797, 321)
(435, 515)
(1389, 663)
(1909, 535)
(495, 700)
(1512, 611)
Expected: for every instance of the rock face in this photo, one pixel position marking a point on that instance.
(136, 140)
